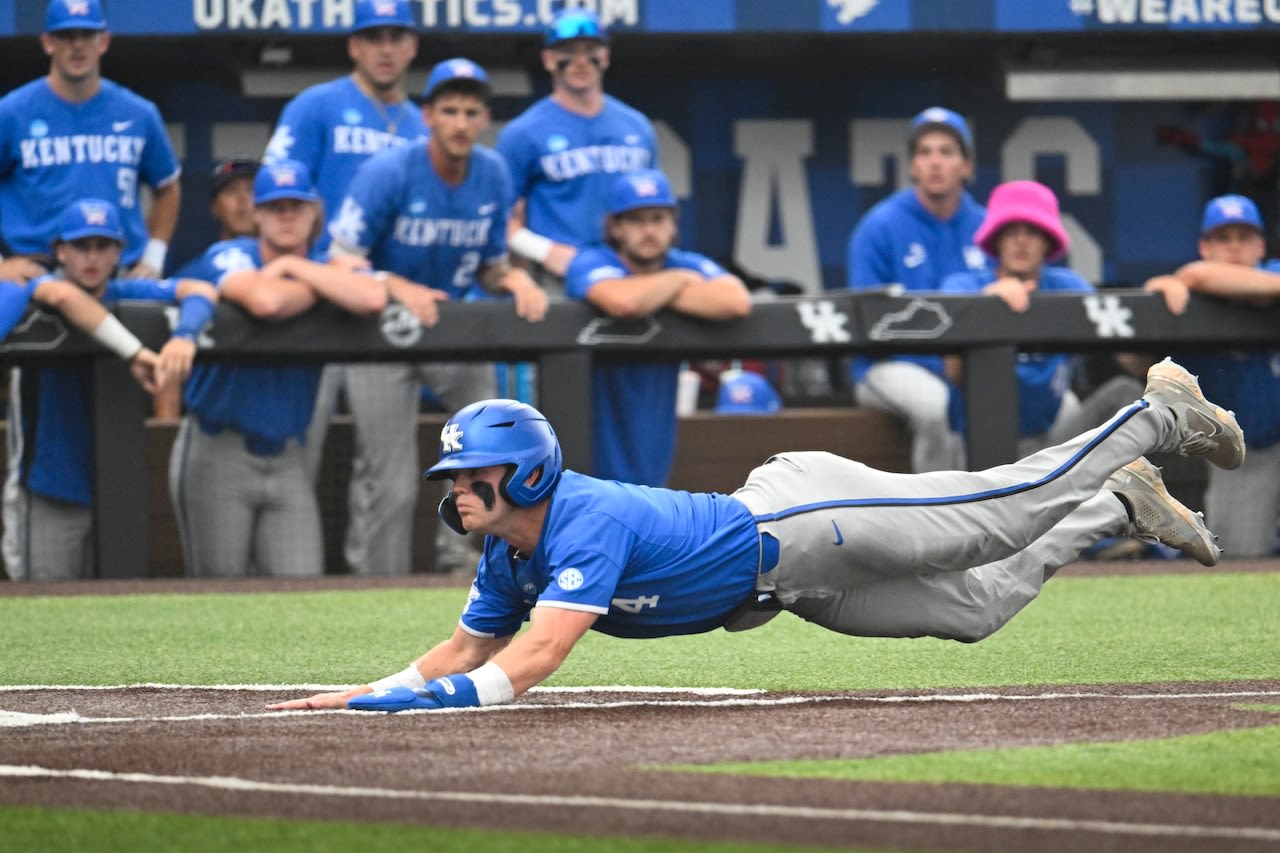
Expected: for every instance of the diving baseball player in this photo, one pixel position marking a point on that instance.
(566, 149)
(48, 497)
(951, 554)
(237, 474)
(74, 134)
(434, 213)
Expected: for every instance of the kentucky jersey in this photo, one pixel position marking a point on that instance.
(633, 415)
(264, 402)
(333, 128)
(1043, 378)
(53, 151)
(406, 220)
(650, 562)
(564, 164)
(56, 421)
(900, 242)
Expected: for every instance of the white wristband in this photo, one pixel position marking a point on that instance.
(408, 677)
(492, 685)
(155, 253)
(535, 247)
(112, 334)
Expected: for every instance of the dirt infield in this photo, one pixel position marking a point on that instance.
(577, 761)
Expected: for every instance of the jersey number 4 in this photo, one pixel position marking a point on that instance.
(635, 605)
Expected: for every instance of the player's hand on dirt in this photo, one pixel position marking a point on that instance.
(145, 367)
(319, 702)
(1176, 293)
(20, 270)
(423, 301)
(559, 258)
(176, 358)
(1015, 293)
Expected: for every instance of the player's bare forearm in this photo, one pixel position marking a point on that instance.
(721, 298)
(79, 308)
(195, 287)
(531, 300)
(1231, 280)
(357, 292)
(640, 295)
(268, 297)
(462, 652)
(539, 651)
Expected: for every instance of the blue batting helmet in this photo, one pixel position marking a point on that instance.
(500, 432)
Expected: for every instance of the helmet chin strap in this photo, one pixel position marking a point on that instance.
(449, 507)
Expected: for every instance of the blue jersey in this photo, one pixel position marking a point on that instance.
(1043, 378)
(53, 152)
(408, 221)
(650, 562)
(266, 403)
(333, 128)
(564, 164)
(57, 426)
(1247, 383)
(633, 415)
(900, 242)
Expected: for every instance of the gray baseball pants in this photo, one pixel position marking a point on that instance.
(239, 511)
(950, 554)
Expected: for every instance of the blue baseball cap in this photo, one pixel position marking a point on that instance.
(90, 217)
(745, 393)
(283, 179)
(1230, 210)
(572, 24)
(383, 13)
(641, 188)
(74, 15)
(465, 73)
(940, 118)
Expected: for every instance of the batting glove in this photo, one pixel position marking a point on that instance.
(451, 691)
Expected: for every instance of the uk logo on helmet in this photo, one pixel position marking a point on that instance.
(450, 438)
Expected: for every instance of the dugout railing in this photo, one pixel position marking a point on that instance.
(573, 337)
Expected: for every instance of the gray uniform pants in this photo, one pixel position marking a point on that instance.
(53, 540)
(237, 509)
(384, 401)
(950, 554)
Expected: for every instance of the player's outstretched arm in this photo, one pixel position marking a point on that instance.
(460, 653)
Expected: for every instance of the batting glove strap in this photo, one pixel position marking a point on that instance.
(395, 699)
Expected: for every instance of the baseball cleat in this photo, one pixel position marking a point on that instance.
(1158, 516)
(394, 699)
(1206, 429)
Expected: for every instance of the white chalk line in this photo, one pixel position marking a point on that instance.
(266, 688)
(753, 699)
(232, 783)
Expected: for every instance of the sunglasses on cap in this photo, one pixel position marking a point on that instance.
(579, 25)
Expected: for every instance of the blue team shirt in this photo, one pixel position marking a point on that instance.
(633, 415)
(57, 424)
(565, 164)
(333, 128)
(900, 242)
(268, 403)
(1043, 378)
(1247, 383)
(408, 221)
(53, 152)
(650, 562)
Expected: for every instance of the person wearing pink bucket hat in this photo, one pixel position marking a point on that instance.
(1023, 233)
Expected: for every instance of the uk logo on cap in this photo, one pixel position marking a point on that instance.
(78, 8)
(644, 187)
(462, 68)
(384, 10)
(284, 176)
(94, 214)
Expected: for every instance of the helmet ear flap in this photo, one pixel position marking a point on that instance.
(449, 514)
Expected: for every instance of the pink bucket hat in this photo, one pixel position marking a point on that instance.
(1023, 201)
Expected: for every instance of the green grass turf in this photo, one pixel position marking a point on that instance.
(1196, 627)
(74, 830)
(1240, 762)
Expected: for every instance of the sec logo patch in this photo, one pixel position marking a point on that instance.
(569, 579)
